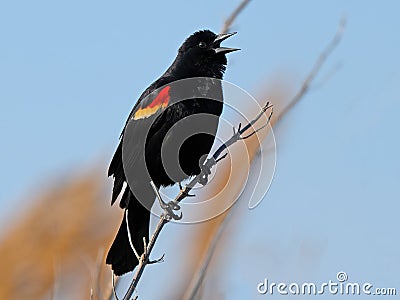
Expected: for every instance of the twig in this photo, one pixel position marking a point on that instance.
(327, 76)
(316, 68)
(165, 218)
(216, 156)
(229, 21)
(196, 282)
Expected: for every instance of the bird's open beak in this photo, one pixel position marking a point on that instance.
(219, 39)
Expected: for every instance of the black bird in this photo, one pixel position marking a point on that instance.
(169, 132)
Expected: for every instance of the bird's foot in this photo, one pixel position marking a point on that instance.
(169, 209)
(206, 170)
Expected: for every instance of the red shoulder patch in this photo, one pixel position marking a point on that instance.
(161, 101)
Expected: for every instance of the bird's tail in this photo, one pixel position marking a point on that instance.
(121, 256)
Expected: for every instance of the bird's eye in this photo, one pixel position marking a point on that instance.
(202, 45)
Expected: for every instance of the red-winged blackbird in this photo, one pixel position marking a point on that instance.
(170, 130)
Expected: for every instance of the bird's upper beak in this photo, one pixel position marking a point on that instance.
(221, 37)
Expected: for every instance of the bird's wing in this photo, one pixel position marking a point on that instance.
(144, 116)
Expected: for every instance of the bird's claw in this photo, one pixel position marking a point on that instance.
(169, 209)
(206, 170)
(171, 215)
(203, 179)
(174, 205)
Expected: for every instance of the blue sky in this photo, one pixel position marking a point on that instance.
(71, 71)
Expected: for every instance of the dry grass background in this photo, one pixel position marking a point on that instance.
(52, 248)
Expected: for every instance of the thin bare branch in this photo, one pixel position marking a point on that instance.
(237, 135)
(327, 76)
(316, 68)
(229, 21)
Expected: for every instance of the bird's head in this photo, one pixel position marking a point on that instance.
(202, 52)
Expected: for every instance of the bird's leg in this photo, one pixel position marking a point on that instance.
(169, 210)
(144, 255)
(167, 207)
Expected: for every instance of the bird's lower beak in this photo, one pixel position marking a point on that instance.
(221, 37)
(225, 50)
